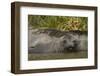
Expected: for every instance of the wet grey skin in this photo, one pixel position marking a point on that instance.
(58, 41)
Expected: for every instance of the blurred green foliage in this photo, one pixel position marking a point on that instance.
(63, 23)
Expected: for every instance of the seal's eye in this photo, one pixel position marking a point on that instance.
(64, 41)
(74, 41)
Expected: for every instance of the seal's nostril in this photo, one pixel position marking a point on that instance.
(70, 48)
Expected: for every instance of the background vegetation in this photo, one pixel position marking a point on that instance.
(63, 23)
